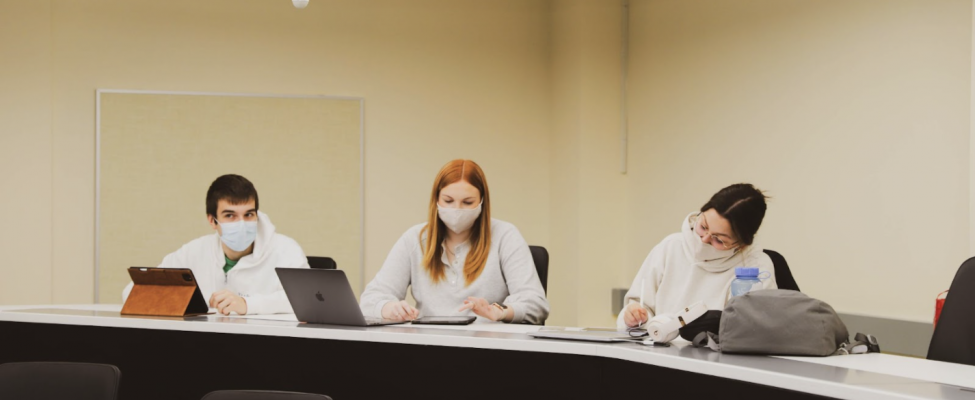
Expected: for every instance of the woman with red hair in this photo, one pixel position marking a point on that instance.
(461, 261)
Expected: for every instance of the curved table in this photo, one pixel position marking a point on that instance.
(185, 358)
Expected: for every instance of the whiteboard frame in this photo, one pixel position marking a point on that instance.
(98, 163)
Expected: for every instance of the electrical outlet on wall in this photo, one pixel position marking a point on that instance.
(618, 295)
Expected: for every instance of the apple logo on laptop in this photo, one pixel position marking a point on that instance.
(319, 296)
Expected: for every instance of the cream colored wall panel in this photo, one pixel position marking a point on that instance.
(603, 205)
(563, 278)
(73, 208)
(25, 152)
(160, 152)
(588, 217)
(444, 80)
(852, 115)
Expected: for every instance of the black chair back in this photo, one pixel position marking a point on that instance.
(783, 276)
(954, 336)
(321, 262)
(58, 380)
(540, 256)
(262, 395)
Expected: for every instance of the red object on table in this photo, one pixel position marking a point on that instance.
(939, 303)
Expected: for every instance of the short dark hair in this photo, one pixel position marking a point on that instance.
(234, 188)
(743, 206)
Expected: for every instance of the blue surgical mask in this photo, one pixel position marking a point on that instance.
(238, 236)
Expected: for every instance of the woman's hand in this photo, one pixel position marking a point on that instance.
(635, 315)
(482, 308)
(400, 311)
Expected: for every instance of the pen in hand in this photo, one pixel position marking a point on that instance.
(643, 282)
(636, 314)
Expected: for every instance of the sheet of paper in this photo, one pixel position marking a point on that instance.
(271, 317)
(483, 327)
(89, 307)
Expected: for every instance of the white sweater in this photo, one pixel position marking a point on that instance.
(673, 279)
(253, 278)
(508, 278)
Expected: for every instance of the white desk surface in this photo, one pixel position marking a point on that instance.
(907, 367)
(871, 376)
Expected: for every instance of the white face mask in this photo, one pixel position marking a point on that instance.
(704, 252)
(459, 219)
(238, 236)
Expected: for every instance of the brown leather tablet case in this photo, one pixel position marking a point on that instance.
(168, 292)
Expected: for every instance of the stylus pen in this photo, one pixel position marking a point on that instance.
(643, 282)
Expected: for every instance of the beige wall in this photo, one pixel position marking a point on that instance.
(563, 281)
(854, 115)
(26, 145)
(145, 164)
(587, 207)
(441, 80)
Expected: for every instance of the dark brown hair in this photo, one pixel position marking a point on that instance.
(743, 206)
(234, 188)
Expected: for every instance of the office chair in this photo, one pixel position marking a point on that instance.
(540, 256)
(783, 276)
(58, 380)
(321, 262)
(954, 337)
(262, 395)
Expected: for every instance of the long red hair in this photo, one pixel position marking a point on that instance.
(435, 231)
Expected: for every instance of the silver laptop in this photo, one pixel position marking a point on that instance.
(324, 296)
(588, 334)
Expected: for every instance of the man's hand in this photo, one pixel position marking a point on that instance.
(226, 302)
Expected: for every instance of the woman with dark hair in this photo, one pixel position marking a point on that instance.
(698, 264)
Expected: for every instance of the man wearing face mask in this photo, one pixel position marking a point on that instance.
(698, 264)
(461, 262)
(234, 266)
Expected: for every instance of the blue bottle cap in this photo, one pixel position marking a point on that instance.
(745, 272)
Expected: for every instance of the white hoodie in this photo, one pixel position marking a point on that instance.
(253, 278)
(672, 279)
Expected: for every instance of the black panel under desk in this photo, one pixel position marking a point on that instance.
(168, 364)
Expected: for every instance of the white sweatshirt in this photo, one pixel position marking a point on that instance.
(508, 278)
(673, 279)
(253, 278)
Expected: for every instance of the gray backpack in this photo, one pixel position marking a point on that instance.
(783, 322)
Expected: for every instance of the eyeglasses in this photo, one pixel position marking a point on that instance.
(723, 241)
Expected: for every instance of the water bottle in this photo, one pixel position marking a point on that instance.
(746, 280)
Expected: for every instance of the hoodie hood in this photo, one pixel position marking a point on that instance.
(265, 231)
(706, 257)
